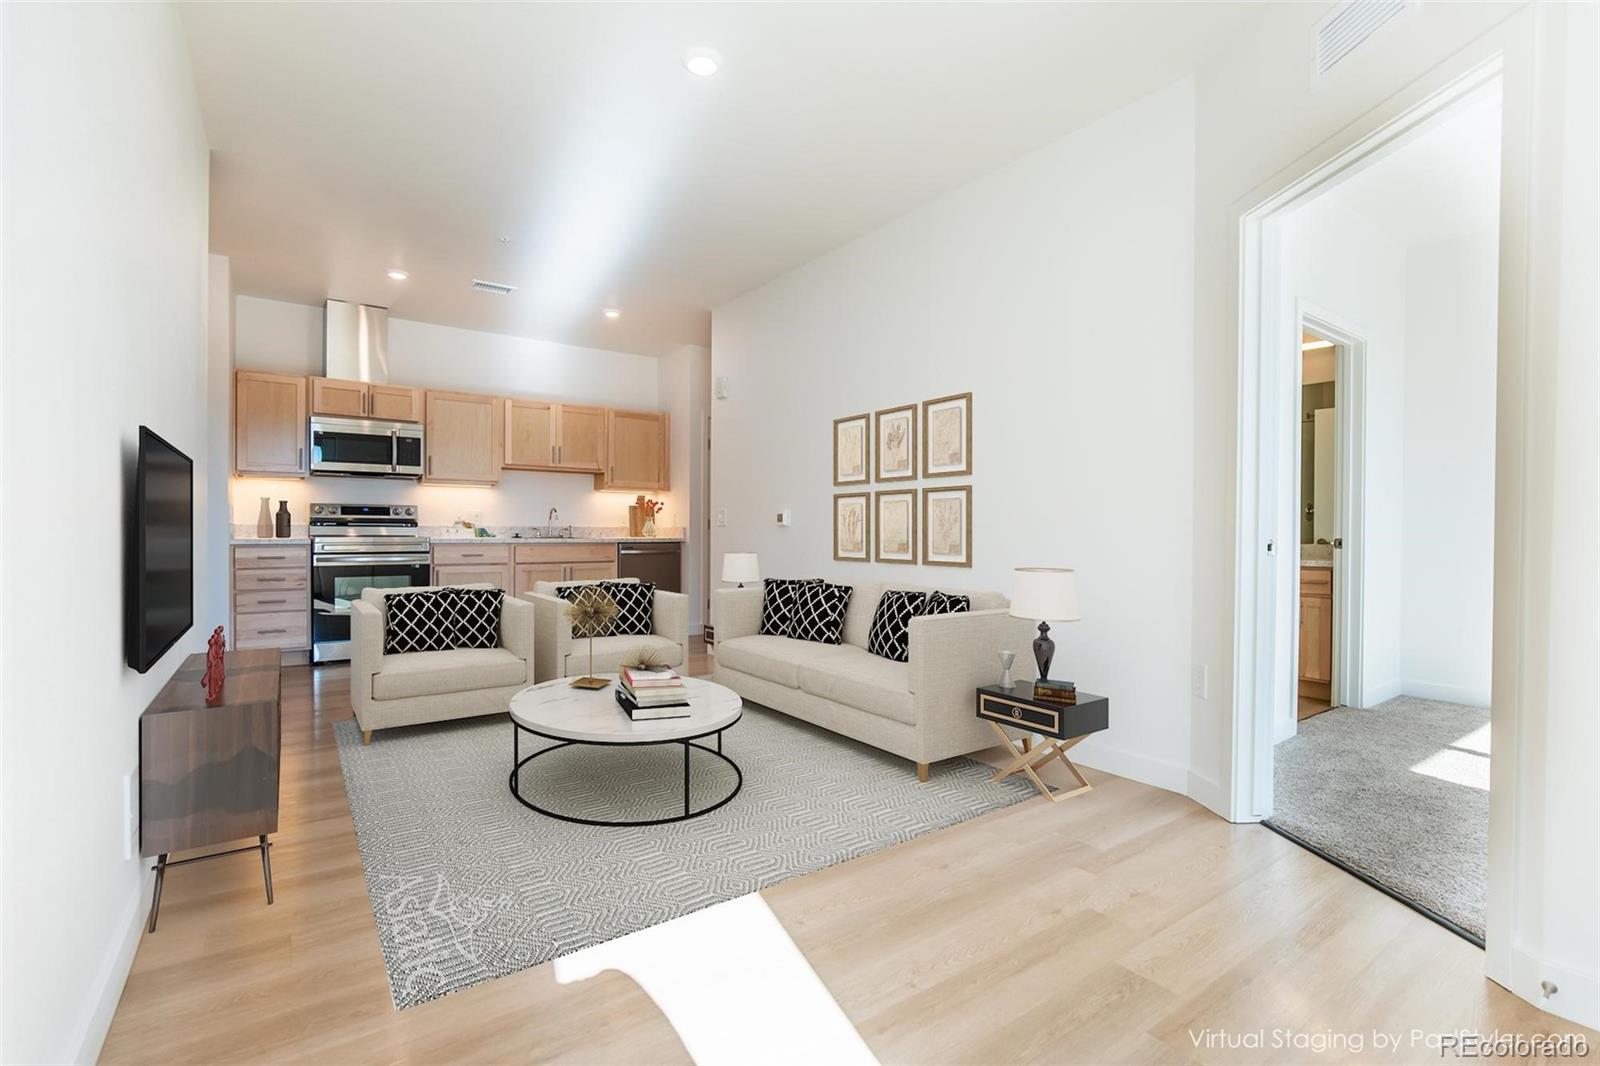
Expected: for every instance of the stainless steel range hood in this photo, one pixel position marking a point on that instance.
(355, 342)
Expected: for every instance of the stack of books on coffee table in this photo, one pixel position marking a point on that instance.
(1062, 692)
(648, 694)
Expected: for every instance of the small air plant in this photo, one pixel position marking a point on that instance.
(591, 613)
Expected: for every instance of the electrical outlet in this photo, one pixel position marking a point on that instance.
(722, 516)
(130, 815)
(1199, 682)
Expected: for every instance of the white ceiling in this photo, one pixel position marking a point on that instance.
(352, 138)
(1443, 184)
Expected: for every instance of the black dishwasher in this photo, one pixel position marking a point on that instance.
(658, 562)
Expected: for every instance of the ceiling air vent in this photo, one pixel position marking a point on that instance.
(494, 287)
(1343, 30)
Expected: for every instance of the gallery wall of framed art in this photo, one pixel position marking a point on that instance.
(930, 526)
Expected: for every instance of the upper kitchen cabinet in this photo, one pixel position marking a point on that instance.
(358, 399)
(636, 451)
(462, 434)
(394, 402)
(554, 436)
(269, 425)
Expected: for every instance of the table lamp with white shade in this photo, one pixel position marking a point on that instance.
(1044, 594)
(739, 567)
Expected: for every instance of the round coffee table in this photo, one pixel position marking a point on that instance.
(556, 711)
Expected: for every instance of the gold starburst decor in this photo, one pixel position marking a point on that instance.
(645, 659)
(591, 613)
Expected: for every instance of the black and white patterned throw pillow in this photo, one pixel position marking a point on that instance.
(888, 636)
(819, 612)
(635, 602)
(946, 603)
(415, 621)
(572, 593)
(474, 617)
(778, 599)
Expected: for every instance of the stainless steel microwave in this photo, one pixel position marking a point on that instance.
(365, 447)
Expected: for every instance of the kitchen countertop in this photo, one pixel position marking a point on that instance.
(301, 538)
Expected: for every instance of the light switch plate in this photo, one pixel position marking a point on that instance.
(722, 516)
(1199, 682)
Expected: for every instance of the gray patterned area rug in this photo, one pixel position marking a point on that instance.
(1399, 792)
(467, 884)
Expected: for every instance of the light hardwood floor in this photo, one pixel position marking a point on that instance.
(1106, 928)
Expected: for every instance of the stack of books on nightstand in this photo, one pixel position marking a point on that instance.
(1062, 692)
(647, 694)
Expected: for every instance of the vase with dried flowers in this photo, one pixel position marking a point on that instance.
(591, 613)
(647, 511)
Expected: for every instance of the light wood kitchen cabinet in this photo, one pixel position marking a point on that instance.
(269, 425)
(271, 596)
(473, 563)
(541, 435)
(335, 396)
(564, 562)
(360, 399)
(463, 438)
(1316, 630)
(636, 451)
(394, 402)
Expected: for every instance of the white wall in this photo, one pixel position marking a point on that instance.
(286, 337)
(685, 378)
(105, 209)
(1057, 291)
(1447, 631)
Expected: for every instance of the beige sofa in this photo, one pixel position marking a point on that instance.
(921, 710)
(557, 653)
(434, 686)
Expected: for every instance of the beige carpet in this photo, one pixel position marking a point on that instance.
(1398, 792)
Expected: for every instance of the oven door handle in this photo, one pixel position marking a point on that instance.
(367, 560)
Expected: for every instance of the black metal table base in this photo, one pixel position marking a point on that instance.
(518, 762)
(263, 845)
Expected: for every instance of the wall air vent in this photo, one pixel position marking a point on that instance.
(494, 287)
(1344, 29)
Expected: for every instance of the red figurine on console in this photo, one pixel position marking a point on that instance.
(213, 676)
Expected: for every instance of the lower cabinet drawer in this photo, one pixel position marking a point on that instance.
(273, 580)
(270, 601)
(282, 629)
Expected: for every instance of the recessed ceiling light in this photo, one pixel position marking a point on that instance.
(612, 313)
(505, 240)
(703, 62)
(399, 275)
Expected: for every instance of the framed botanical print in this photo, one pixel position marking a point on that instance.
(894, 443)
(896, 522)
(850, 451)
(850, 527)
(947, 526)
(947, 436)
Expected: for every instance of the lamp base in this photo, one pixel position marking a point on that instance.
(590, 682)
(1044, 649)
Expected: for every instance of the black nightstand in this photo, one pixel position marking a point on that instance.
(1065, 725)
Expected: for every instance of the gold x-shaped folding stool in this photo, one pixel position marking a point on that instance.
(1027, 760)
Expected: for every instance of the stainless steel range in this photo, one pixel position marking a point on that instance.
(357, 546)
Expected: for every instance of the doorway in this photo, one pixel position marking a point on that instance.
(1373, 628)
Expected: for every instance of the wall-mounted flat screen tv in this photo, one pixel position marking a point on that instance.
(160, 595)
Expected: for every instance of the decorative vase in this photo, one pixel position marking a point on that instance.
(1006, 659)
(649, 528)
(283, 518)
(264, 519)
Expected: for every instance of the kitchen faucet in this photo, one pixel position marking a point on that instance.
(553, 517)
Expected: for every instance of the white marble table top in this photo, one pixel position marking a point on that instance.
(556, 709)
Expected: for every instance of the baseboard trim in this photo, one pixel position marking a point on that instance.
(90, 1033)
(1577, 996)
(1141, 768)
(1427, 690)
(1432, 915)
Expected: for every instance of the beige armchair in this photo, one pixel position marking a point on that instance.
(434, 686)
(557, 653)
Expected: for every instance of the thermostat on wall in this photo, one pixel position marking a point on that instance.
(782, 517)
